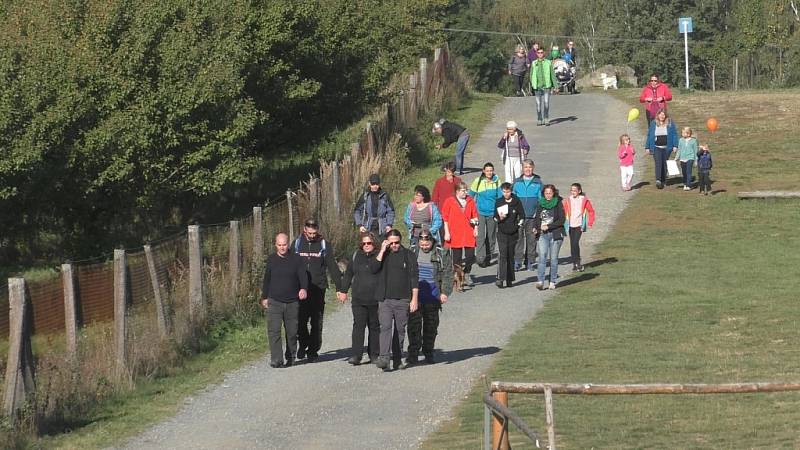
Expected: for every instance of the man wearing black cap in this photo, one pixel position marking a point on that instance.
(374, 211)
(318, 258)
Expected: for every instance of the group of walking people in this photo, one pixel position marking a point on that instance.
(396, 289)
(663, 142)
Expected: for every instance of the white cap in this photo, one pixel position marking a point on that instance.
(436, 125)
(511, 124)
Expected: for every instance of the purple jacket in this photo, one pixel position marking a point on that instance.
(519, 148)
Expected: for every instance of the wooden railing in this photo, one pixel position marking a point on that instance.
(499, 414)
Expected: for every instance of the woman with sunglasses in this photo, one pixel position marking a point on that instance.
(361, 274)
(655, 96)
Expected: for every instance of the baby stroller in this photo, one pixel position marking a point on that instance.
(565, 74)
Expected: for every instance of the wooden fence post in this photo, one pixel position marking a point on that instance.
(290, 231)
(336, 200)
(371, 146)
(197, 301)
(548, 410)
(19, 381)
(235, 257)
(162, 318)
(423, 83)
(70, 311)
(121, 311)
(258, 237)
(499, 424)
(412, 100)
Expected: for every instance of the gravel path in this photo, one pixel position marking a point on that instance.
(330, 404)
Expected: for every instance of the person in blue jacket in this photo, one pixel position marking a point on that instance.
(374, 211)
(662, 140)
(528, 188)
(422, 214)
(486, 190)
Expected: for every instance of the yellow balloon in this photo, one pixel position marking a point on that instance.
(633, 114)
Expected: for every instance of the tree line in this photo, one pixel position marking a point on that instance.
(735, 43)
(122, 118)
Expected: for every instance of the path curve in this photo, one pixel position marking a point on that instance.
(330, 404)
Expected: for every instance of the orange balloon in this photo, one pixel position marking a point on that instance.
(712, 124)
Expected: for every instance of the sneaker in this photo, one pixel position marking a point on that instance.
(301, 353)
(547, 122)
(539, 285)
(530, 267)
(517, 267)
(354, 360)
(499, 283)
(552, 286)
(659, 185)
(312, 357)
(412, 359)
(539, 123)
(382, 363)
(289, 362)
(429, 358)
(509, 283)
(581, 268)
(468, 280)
(276, 365)
(687, 188)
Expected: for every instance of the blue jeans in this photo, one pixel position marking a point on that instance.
(686, 168)
(542, 104)
(461, 148)
(548, 249)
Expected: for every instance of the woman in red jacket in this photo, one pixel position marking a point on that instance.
(655, 96)
(445, 186)
(460, 216)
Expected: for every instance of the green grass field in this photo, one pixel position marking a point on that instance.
(688, 289)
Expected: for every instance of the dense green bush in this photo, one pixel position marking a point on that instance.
(121, 117)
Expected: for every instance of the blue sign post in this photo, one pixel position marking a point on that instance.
(685, 27)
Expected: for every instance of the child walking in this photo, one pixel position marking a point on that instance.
(579, 215)
(687, 153)
(704, 165)
(625, 153)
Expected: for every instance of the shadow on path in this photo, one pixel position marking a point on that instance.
(563, 119)
(640, 185)
(332, 355)
(452, 356)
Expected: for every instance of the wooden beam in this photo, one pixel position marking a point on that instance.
(19, 380)
(769, 194)
(637, 389)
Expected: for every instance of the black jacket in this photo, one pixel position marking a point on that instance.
(556, 217)
(317, 258)
(361, 275)
(450, 132)
(412, 273)
(284, 276)
(516, 215)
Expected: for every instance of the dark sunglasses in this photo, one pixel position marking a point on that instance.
(394, 243)
(367, 243)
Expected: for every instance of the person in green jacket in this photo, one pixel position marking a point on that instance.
(543, 80)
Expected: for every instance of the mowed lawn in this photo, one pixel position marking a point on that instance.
(686, 289)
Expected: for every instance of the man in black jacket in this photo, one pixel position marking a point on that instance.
(398, 287)
(453, 132)
(317, 256)
(284, 286)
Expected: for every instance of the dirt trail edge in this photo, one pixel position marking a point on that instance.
(330, 404)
